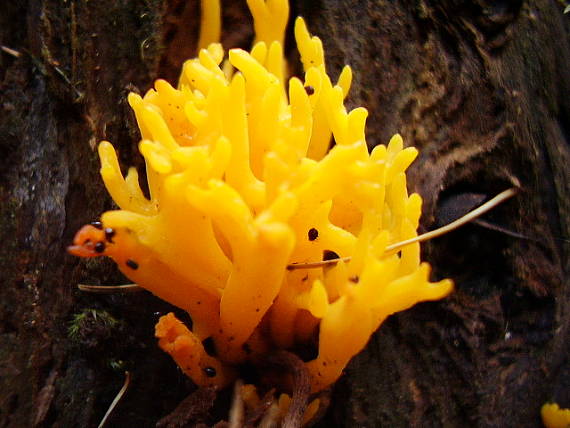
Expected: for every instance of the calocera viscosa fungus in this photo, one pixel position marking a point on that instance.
(243, 186)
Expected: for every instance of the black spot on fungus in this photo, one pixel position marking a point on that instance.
(132, 264)
(99, 247)
(109, 234)
(256, 309)
(306, 277)
(97, 224)
(210, 346)
(330, 255)
(198, 302)
(313, 234)
(310, 90)
(354, 279)
(210, 371)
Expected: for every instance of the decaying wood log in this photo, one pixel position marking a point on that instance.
(481, 88)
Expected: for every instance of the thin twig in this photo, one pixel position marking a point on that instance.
(301, 386)
(270, 418)
(237, 412)
(470, 216)
(116, 399)
(10, 51)
(109, 289)
(313, 265)
(496, 228)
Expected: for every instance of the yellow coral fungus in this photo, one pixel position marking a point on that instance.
(242, 186)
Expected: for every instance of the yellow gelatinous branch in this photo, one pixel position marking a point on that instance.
(189, 353)
(210, 23)
(269, 19)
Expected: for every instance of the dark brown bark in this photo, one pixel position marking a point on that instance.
(481, 88)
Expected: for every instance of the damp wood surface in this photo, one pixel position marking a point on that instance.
(481, 88)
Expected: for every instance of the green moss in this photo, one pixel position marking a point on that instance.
(90, 327)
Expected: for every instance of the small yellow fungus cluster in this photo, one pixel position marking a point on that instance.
(244, 191)
(555, 417)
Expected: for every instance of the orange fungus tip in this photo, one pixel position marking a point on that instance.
(89, 241)
(242, 184)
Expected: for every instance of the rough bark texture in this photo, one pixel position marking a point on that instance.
(481, 88)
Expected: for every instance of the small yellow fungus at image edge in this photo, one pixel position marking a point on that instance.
(555, 417)
(243, 185)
